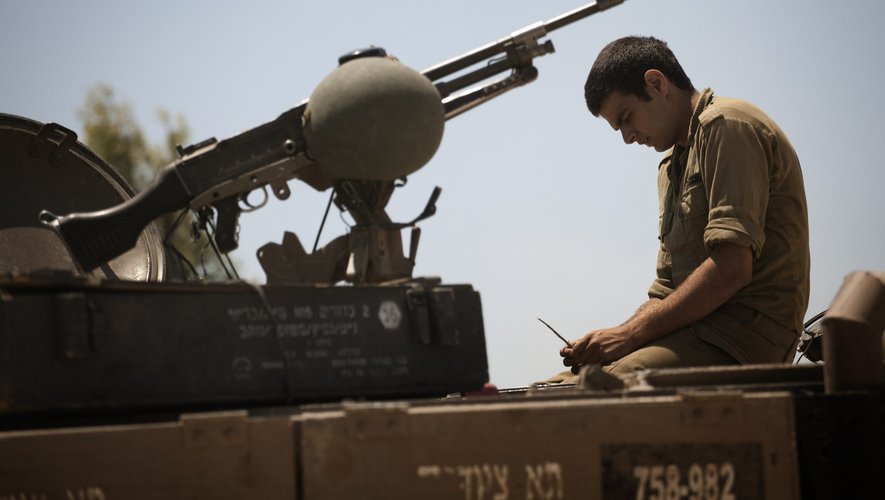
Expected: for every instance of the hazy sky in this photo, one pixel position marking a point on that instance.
(544, 209)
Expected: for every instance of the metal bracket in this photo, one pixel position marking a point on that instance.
(419, 316)
(41, 145)
(433, 315)
(72, 325)
(81, 327)
(444, 316)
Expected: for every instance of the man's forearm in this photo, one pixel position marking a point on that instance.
(641, 310)
(718, 278)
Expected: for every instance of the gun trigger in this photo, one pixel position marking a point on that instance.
(228, 210)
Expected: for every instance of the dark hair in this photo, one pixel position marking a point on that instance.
(621, 67)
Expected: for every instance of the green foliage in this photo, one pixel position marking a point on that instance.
(110, 129)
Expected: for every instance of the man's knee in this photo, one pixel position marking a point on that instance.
(677, 350)
(642, 359)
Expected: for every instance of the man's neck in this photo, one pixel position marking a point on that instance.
(689, 101)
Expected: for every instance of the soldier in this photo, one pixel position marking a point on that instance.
(733, 265)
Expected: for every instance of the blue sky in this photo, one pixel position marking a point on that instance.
(544, 209)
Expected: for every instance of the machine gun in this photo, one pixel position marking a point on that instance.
(368, 124)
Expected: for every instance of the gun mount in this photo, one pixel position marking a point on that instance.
(368, 125)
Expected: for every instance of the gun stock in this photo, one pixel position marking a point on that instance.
(97, 237)
(210, 173)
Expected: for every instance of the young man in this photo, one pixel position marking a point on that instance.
(732, 271)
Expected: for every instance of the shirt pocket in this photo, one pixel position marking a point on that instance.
(694, 196)
(686, 241)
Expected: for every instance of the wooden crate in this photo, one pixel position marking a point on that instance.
(207, 455)
(704, 445)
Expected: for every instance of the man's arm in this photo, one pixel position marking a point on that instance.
(727, 270)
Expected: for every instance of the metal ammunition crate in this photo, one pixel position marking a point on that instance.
(71, 347)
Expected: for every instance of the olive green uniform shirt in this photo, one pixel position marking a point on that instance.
(738, 180)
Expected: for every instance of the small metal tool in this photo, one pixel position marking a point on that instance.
(556, 333)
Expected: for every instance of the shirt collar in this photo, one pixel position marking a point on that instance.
(674, 153)
(705, 99)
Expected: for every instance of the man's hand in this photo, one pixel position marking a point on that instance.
(728, 269)
(599, 347)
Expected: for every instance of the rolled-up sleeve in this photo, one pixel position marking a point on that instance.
(735, 158)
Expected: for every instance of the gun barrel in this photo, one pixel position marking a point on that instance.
(580, 13)
(492, 49)
(456, 64)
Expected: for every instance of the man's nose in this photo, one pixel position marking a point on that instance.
(629, 135)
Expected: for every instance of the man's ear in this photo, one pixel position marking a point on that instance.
(657, 83)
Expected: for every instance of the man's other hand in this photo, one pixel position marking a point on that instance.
(598, 347)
